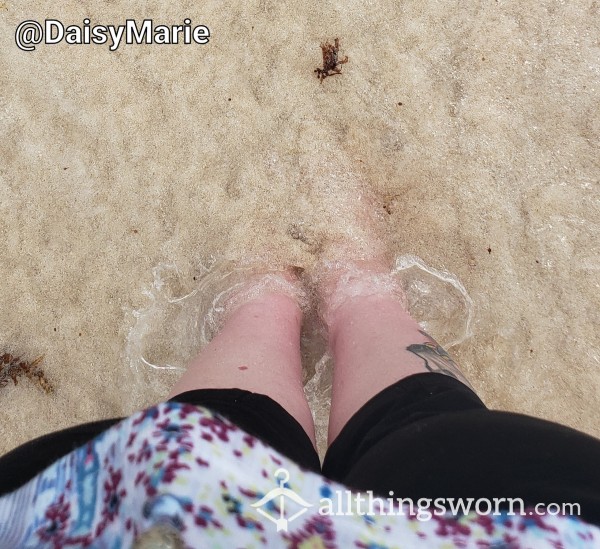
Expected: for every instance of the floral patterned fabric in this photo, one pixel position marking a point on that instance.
(190, 478)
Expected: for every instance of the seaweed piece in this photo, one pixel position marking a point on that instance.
(331, 60)
(13, 368)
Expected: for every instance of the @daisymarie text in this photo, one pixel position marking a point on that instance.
(31, 33)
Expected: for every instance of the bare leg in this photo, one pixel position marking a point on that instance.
(373, 340)
(258, 349)
(374, 343)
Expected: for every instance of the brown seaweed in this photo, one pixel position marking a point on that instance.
(14, 368)
(331, 60)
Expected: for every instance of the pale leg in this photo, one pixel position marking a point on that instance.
(375, 343)
(258, 349)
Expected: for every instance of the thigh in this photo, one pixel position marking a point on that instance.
(257, 414)
(20, 465)
(473, 453)
(404, 403)
(262, 417)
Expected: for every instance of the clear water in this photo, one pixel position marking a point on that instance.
(183, 314)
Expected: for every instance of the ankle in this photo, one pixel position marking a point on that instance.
(270, 303)
(362, 312)
(258, 291)
(280, 287)
(346, 285)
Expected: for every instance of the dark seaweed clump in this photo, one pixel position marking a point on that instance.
(14, 368)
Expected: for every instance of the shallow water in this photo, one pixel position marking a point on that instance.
(181, 317)
(472, 128)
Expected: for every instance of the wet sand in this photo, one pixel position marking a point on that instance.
(475, 125)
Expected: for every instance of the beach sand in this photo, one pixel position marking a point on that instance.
(475, 125)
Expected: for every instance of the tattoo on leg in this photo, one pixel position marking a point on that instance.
(436, 358)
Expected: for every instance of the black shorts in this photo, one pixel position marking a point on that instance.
(427, 436)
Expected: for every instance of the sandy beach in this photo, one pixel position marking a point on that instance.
(475, 125)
